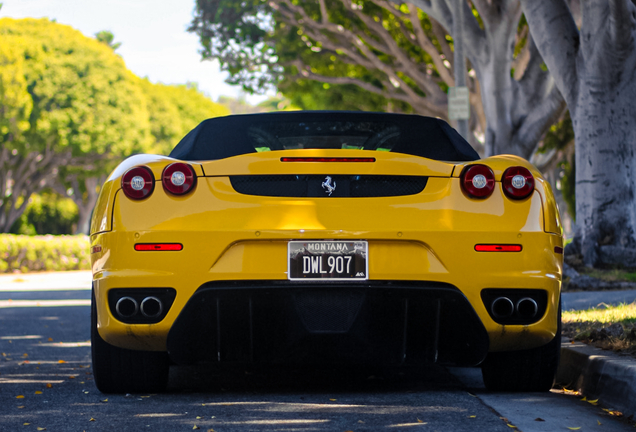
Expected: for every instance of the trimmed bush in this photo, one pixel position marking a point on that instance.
(43, 253)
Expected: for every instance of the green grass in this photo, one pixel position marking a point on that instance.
(579, 325)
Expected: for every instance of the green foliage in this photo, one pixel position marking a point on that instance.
(260, 50)
(47, 213)
(175, 110)
(43, 253)
(107, 37)
(83, 97)
(568, 185)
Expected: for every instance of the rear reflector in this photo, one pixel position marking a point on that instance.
(325, 159)
(158, 247)
(498, 248)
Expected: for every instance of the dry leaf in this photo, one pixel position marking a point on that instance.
(472, 416)
(360, 421)
(92, 419)
(511, 426)
(61, 361)
(104, 400)
(196, 427)
(198, 417)
(50, 339)
(71, 377)
(332, 400)
(38, 392)
(20, 407)
(574, 428)
(41, 429)
(420, 421)
(49, 385)
(210, 430)
(25, 355)
(19, 397)
(25, 424)
(599, 422)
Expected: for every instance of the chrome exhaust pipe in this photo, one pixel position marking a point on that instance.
(151, 307)
(127, 307)
(527, 308)
(502, 307)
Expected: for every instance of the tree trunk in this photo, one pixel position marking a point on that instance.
(605, 128)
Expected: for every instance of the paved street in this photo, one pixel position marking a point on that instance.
(46, 382)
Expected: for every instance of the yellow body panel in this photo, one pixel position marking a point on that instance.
(229, 236)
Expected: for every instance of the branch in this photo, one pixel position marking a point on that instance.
(554, 31)
(621, 28)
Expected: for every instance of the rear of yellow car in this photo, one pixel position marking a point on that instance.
(325, 254)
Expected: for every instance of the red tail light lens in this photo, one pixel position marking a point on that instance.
(478, 181)
(158, 247)
(138, 183)
(517, 182)
(498, 248)
(326, 159)
(178, 178)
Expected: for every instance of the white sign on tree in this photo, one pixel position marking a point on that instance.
(458, 105)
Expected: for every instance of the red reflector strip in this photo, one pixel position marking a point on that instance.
(325, 159)
(558, 250)
(497, 248)
(158, 247)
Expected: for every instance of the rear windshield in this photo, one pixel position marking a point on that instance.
(223, 137)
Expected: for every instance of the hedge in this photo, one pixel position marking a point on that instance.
(20, 253)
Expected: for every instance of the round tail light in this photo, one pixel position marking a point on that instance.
(517, 182)
(178, 178)
(138, 183)
(478, 181)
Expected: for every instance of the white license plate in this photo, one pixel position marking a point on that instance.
(328, 260)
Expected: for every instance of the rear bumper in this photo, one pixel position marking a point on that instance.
(283, 322)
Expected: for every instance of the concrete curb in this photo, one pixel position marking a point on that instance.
(599, 374)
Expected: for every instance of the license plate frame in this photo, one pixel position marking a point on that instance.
(309, 260)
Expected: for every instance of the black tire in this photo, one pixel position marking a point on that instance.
(118, 370)
(532, 370)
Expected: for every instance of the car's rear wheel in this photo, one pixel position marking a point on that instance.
(118, 370)
(530, 370)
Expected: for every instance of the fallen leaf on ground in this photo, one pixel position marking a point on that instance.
(92, 419)
(511, 426)
(50, 339)
(25, 355)
(332, 400)
(574, 428)
(104, 400)
(420, 421)
(19, 397)
(25, 424)
(61, 361)
(41, 429)
(38, 392)
(196, 427)
(472, 416)
(198, 417)
(20, 407)
(599, 422)
(49, 385)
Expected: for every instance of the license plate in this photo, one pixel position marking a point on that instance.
(328, 260)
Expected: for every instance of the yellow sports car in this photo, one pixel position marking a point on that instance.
(327, 238)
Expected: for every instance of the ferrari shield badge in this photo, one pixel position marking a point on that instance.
(329, 185)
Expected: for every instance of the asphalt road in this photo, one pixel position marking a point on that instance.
(46, 382)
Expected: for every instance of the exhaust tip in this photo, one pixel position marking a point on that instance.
(502, 307)
(527, 308)
(127, 307)
(151, 307)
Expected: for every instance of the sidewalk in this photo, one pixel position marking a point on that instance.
(598, 374)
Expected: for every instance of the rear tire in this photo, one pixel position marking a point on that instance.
(118, 370)
(532, 370)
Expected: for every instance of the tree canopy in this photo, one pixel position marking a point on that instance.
(69, 107)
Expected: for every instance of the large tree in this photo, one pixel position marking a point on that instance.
(594, 68)
(396, 52)
(65, 100)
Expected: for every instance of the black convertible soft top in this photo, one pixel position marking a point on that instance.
(222, 137)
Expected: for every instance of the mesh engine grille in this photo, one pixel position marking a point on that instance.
(328, 311)
(343, 186)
